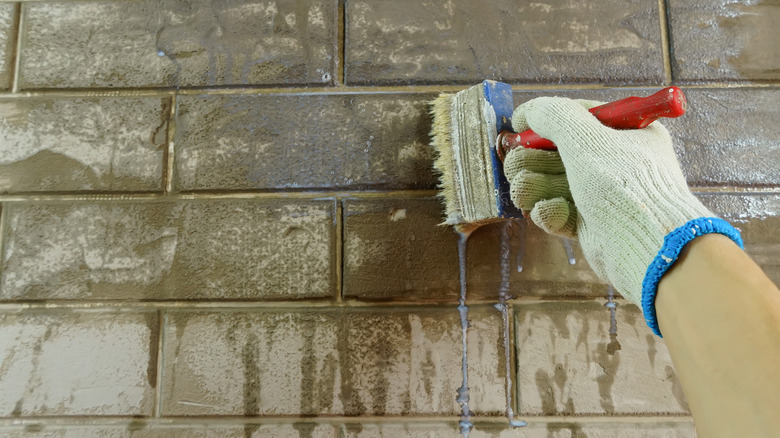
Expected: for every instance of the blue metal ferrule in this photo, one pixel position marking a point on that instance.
(499, 96)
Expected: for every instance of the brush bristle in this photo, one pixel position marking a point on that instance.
(444, 164)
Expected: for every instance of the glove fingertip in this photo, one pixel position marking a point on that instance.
(556, 216)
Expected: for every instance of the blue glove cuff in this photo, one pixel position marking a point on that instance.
(670, 251)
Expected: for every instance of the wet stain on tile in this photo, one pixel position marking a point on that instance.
(162, 250)
(373, 141)
(609, 363)
(413, 42)
(168, 43)
(574, 430)
(716, 40)
(546, 392)
(579, 374)
(6, 41)
(677, 390)
(251, 382)
(138, 423)
(70, 144)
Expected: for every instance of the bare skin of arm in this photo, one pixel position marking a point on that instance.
(720, 317)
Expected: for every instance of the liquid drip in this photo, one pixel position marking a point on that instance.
(463, 392)
(503, 296)
(569, 251)
(520, 244)
(613, 345)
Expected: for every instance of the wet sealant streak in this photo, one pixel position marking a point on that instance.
(520, 244)
(503, 296)
(463, 391)
(569, 251)
(613, 345)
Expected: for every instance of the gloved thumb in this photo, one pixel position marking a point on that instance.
(565, 122)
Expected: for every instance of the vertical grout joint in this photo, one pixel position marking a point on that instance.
(169, 154)
(15, 59)
(665, 41)
(341, 49)
(339, 250)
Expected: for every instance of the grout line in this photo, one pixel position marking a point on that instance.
(151, 196)
(339, 256)
(734, 190)
(162, 316)
(298, 195)
(334, 420)
(665, 41)
(170, 155)
(210, 305)
(17, 55)
(3, 220)
(341, 42)
(351, 90)
(513, 360)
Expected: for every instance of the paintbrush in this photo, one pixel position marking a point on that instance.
(472, 133)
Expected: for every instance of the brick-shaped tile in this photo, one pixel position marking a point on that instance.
(167, 43)
(82, 144)
(77, 363)
(714, 40)
(414, 42)
(649, 428)
(729, 137)
(140, 428)
(303, 141)
(567, 362)
(395, 248)
(537, 428)
(401, 361)
(6, 41)
(225, 249)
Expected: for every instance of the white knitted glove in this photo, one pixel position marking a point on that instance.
(627, 186)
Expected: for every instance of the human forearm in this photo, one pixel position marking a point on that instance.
(720, 317)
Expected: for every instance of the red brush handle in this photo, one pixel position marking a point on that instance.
(629, 113)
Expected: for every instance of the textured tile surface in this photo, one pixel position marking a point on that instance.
(567, 362)
(394, 248)
(293, 142)
(404, 361)
(77, 363)
(651, 428)
(538, 428)
(231, 249)
(719, 40)
(729, 137)
(413, 42)
(169, 43)
(726, 137)
(6, 40)
(82, 144)
(140, 428)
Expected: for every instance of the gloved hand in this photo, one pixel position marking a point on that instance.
(619, 192)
